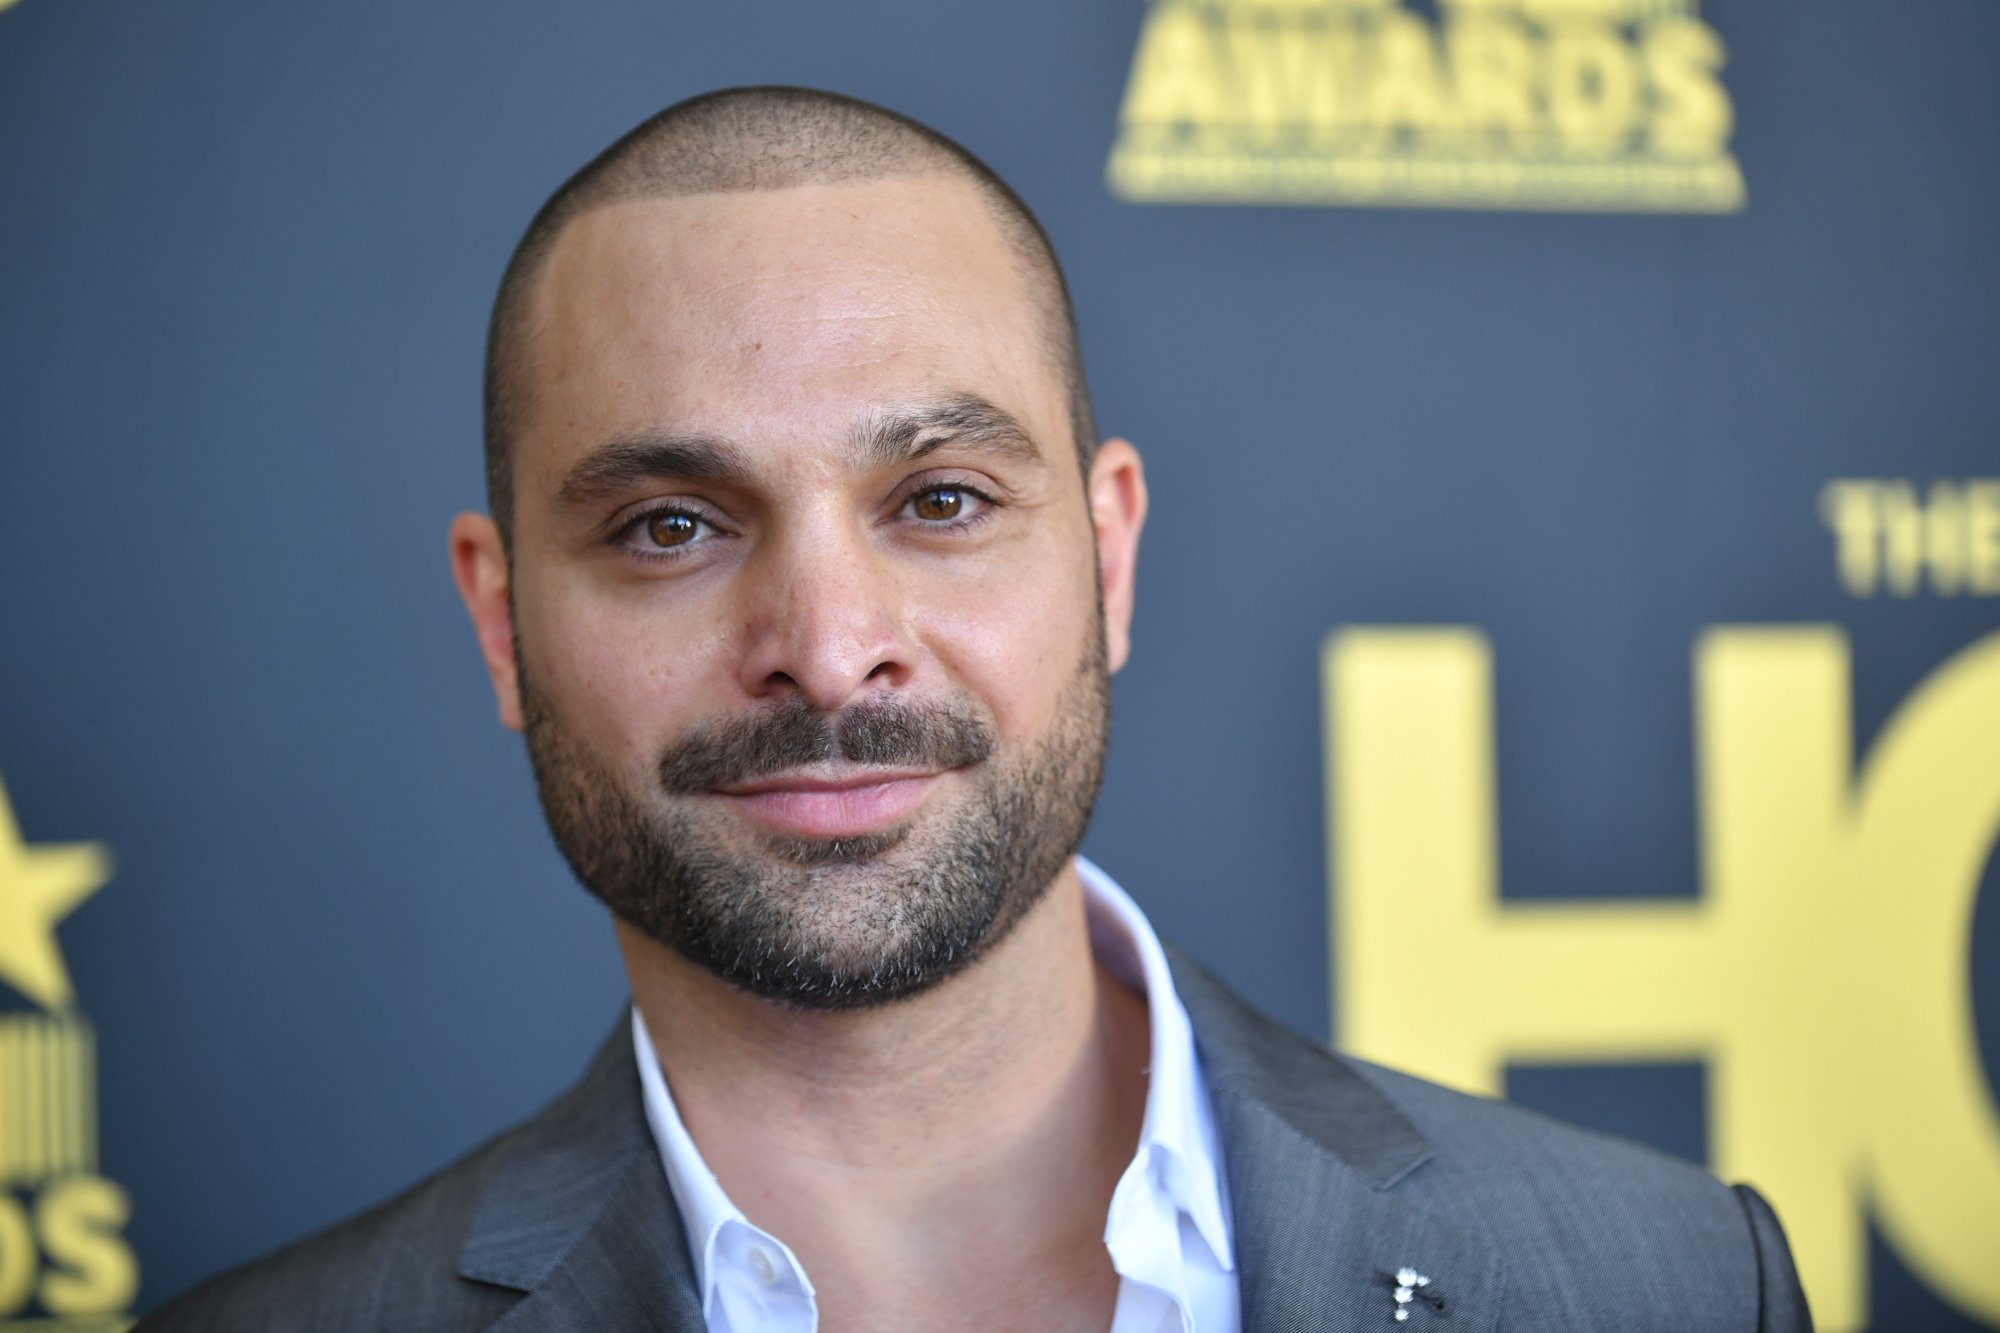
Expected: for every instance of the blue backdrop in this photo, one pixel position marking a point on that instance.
(246, 255)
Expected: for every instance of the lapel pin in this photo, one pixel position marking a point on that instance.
(1410, 1286)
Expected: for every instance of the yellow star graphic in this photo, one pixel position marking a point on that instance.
(39, 886)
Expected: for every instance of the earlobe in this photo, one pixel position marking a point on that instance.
(1117, 513)
(479, 567)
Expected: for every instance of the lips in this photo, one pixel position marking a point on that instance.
(842, 805)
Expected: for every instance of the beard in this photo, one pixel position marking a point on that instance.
(830, 923)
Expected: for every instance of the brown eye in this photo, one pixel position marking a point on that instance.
(939, 504)
(668, 528)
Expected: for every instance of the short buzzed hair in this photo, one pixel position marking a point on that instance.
(756, 138)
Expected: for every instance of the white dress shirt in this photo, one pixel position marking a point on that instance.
(1168, 1231)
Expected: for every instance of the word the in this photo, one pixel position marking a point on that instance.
(1890, 537)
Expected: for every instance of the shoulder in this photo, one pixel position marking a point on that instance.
(1496, 1144)
(1395, 1129)
(392, 1266)
(1579, 1222)
(1502, 1156)
(1576, 1212)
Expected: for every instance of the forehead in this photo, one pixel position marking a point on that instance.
(781, 314)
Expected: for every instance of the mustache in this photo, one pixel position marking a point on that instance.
(793, 734)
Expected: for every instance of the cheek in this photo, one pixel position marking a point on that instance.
(622, 674)
(1013, 633)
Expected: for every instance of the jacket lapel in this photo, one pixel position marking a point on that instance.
(1313, 1153)
(579, 1216)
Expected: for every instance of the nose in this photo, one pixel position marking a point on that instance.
(825, 620)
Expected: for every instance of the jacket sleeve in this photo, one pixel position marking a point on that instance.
(1781, 1301)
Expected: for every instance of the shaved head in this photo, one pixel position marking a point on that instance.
(748, 139)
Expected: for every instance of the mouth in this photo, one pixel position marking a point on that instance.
(843, 804)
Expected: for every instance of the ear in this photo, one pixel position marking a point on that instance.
(479, 567)
(1117, 512)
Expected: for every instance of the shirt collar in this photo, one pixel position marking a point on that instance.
(1179, 1129)
(707, 1214)
(1179, 1159)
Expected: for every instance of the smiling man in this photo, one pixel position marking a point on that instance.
(805, 577)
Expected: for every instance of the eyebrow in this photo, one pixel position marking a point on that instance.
(967, 420)
(898, 436)
(616, 466)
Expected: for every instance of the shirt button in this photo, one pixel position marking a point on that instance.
(762, 1266)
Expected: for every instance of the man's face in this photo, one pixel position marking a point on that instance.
(805, 599)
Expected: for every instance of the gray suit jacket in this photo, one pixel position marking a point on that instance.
(1339, 1173)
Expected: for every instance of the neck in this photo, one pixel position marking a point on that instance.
(991, 1114)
